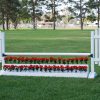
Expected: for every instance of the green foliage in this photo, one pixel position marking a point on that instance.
(93, 4)
(9, 10)
(24, 12)
(79, 9)
(91, 18)
(77, 6)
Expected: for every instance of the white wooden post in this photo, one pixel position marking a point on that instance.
(0, 46)
(3, 49)
(92, 74)
(92, 52)
(99, 46)
(96, 45)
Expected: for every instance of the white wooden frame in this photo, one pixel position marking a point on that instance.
(95, 56)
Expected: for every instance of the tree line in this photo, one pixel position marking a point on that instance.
(13, 11)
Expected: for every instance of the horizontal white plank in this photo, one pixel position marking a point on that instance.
(46, 74)
(46, 54)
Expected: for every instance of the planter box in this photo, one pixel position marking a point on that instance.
(52, 73)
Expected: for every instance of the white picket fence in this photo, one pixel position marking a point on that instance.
(95, 57)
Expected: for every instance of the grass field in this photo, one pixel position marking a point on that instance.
(45, 88)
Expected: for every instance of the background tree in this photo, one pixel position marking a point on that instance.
(9, 12)
(2, 14)
(95, 5)
(15, 12)
(52, 6)
(79, 9)
(36, 10)
(24, 12)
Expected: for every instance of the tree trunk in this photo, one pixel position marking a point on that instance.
(7, 23)
(3, 21)
(81, 19)
(81, 25)
(98, 15)
(15, 24)
(33, 15)
(54, 25)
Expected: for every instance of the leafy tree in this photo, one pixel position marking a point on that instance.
(15, 12)
(79, 9)
(24, 12)
(95, 4)
(9, 11)
(52, 5)
(2, 13)
(36, 10)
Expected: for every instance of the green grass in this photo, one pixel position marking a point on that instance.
(46, 88)
(48, 41)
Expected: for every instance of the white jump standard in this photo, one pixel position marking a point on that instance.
(55, 69)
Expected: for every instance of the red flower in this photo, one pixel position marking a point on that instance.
(26, 59)
(41, 67)
(85, 68)
(67, 67)
(55, 60)
(9, 58)
(37, 67)
(47, 60)
(81, 58)
(76, 59)
(72, 60)
(86, 58)
(20, 59)
(45, 68)
(68, 60)
(49, 67)
(6, 67)
(42, 59)
(62, 68)
(64, 61)
(10, 67)
(51, 59)
(59, 58)
(75, 67)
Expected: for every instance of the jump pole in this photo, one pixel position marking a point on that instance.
(46, 54)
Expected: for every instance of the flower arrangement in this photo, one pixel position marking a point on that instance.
(45, 68)
(43, 60)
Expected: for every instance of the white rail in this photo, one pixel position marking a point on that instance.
(46, 54)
